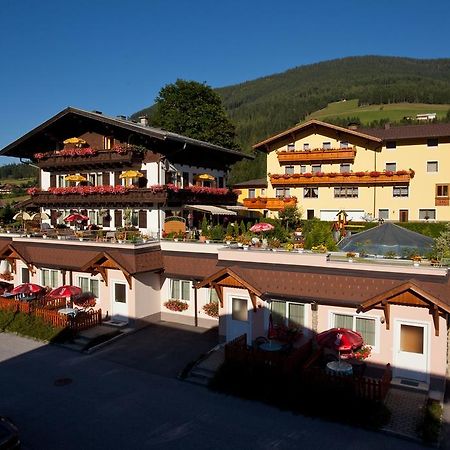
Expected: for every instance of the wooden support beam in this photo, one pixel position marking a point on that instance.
(435, 312)
(103, 273)
(253, 299)
(387, 312)
(219, 291)
(129, 279)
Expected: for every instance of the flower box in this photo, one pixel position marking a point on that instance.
(176, 305)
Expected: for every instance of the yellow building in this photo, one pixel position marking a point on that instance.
(395, 173)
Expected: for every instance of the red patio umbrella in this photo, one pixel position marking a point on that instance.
(75, 217)
(27, 288)
(340, 339)
(261, 227)
(65, 291)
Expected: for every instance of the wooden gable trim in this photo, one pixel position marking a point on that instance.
(223, 277)
(103, 261)
(394, 296)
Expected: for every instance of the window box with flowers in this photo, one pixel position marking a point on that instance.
(211, 309)
(176, 305)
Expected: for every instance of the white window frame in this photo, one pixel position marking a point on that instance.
(437, 166)
(50, 277)
(231, 297)
(400, 190)
(346, 192)
(291, 147)
(286, 320)
(310, 189)
(252, 193)
(306, 146)
(428, 209)
(383, 209)
(391, 163)
(331, 321)
(180, 295)
(289, 170)
(90, 282)
(113, 293)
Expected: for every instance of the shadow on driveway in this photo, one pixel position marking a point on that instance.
(162, 348)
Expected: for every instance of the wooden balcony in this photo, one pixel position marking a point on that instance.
(274, 204)
(319, 155)
(441, 201)
(135, 197)
(101, 160)
(398, 178)
(131, 198)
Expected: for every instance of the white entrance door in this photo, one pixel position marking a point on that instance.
(119, 302)
(411, 350)
(239, 319)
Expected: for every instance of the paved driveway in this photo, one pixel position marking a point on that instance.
(162, 348)
(105, 404)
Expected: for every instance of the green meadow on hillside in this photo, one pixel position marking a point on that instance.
(395, 112)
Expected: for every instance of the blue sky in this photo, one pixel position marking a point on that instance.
(114, 56)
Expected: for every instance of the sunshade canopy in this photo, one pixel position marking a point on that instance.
(65, 291)
(341, 339)
(76, 218)
(27, 288)
(22, 215)
(387, 238)
(215, 210)
(260, 227)
(131, 174)
(204, 176)
(76, 178)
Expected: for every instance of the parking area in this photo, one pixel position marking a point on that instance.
(162, 348)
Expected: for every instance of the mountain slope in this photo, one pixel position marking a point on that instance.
(267, 105)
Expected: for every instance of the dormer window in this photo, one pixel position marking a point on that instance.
(344, 144)
(306, 146)
(291, 147)
(326, 145)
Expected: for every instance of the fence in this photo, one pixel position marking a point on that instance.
(365, 387)
(283, 362)
(47, 311)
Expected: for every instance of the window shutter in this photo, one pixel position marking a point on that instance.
(118, 218)
(106, 178)
(117, 178)
(53, 217)
(142, 218)
(52, 180)
(107, 220)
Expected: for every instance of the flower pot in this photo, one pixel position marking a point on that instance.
(28, 235)
(207, 241)
(80, 239)
(350, 260)
(44, 236)
(59, 237)
(245, 247)
(120, 241)
(416, 264)
(228, 242)
(144, 241)
(274, 249)
(175, 239)
(300, 250)
(239, 244)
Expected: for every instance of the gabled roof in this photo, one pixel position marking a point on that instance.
(55, 129)
(77, 257)
(316, 126)
(429, 130)
(260, 182)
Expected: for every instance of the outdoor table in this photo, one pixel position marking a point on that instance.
(68, 311)
(271, 346)
(339, 368)
(8, 295)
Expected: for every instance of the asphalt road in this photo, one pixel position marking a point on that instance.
(99, 402)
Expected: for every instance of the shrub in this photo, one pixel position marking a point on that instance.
(217, 233)
(317, 234)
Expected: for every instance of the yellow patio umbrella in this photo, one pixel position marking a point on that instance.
(76, 178)
(22, 216)
(205, 176)
(74, 140)
(131, 174)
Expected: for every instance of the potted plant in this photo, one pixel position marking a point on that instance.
(416, 259)
(79, 235)
(228, 239)
(350, 256)
(120, 236)
(274, 244)
(176, 305)
(144, 238)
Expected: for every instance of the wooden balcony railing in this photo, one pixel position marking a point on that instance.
(133, 197)
(441, 201)
(374, 178)
(273, 204)
(102, 159)
(318, 155)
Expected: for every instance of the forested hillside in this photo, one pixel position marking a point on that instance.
(271, 104)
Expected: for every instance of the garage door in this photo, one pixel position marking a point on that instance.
(328, 214)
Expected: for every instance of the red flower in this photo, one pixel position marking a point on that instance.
(374, 173)
(307, 175)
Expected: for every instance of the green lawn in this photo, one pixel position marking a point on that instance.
(395, 112)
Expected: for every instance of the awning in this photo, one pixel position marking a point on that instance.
(215, 210)
(236, 208)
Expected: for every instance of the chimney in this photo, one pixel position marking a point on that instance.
(143, 121)
(97, 112)
(352, 126)
(122, 117)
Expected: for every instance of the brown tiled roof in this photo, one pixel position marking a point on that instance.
(333, 286)
(192, 266)
(260, 182)
(430, 130)
(71, 257)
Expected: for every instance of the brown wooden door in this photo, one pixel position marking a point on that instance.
(403, 215)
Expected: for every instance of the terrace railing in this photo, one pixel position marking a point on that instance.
(273, 204)
(318, 155)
